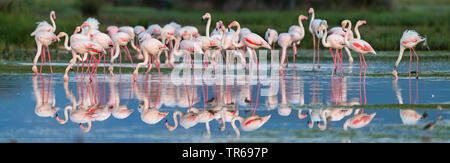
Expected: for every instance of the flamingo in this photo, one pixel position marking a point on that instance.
(271, 37)
(151, 47)
(409, 40)
(120, 39)
(137, 31)
(314, 30)
(44, 26)
(251, 41)
(188, 47)
(361, 47)
(130, 31)
(227, 43)
(169, 30)
(297, 33)
(206, 41)
(154, 30)
(334, 41)
(358, 121)
(91, 27)
(43, 39)
(340, 31)
(284, 41)
(79, 47)
(106, 42)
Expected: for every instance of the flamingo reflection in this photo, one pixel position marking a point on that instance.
(77, 114)
(254, 121)
(408, 116)
(150, 113)
(45, 98)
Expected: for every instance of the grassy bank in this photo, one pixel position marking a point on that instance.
(383, 30)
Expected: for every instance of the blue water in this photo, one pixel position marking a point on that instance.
(279, 97)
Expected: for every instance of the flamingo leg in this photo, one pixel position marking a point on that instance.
(294, 53)
(410, 53)
(417, 65)
(42, 59)
(120, 60)
(314, 52)
(360, 70)
(334, 60)
(49, 60)
(129, 55)
(318, 54)
(342, 66)
(257, 65)
(365, 68)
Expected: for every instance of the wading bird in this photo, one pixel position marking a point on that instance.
(409, 40)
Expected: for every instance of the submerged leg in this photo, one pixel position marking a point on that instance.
(417, 65)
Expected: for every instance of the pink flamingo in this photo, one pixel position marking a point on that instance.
(150, 47)
(271, 37)
(361, 47)
(44, 26)
(314, 30)
(79, 47)
(169, 30)
(297, 33)
(130, 31)
(251, 41)
(206, 41)
(43, 39)
(227, 43)
(409, 40)
(154, 30)
(284, 41)
(120, 39)
(107, 43)
(334, 41)
(340, 31)
(186, 47)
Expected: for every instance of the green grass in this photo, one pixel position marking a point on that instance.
(383, 30)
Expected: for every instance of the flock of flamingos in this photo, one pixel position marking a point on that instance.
(88, 44)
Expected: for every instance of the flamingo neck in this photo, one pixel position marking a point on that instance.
(66, 114)
(236, 34)
(310, 22)
(397, 92)
(346, 32)
(233, 124)
(171, 128)
(400, 55)
(300, 23)
(223, 37)
(208, 24)
(324, 39)
(53, 23)
(358, 36)
(176, 50)
(66, 42)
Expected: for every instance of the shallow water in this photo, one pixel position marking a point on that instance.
(298, 103)
(311, 93)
